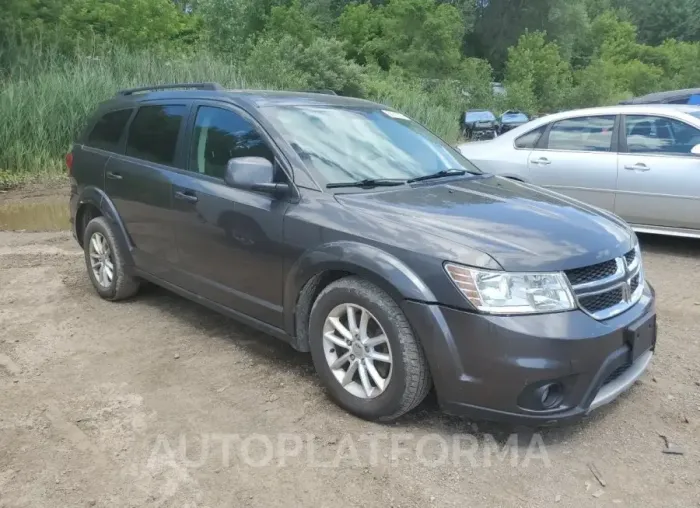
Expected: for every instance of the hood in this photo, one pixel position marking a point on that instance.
(520, 226)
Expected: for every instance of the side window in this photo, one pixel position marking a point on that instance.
(530, 139)
(584, 134)
(220, 135)
(153, 133)
(653, 134)
(108, 130)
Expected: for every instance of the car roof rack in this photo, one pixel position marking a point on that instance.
(176, 86)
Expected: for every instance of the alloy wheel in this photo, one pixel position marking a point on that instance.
(357, 350)
(101, 260)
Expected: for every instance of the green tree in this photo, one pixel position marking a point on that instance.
(136, 24)
(538, 66)
(658, 21)
(360, 29)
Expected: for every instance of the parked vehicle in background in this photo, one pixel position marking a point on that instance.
(351, 232)
(640, 162)
(510, 120)
(477, 125)
(688, 96)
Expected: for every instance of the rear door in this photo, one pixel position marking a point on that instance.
(578, 157)
(139, 182)
(659, 178)
(106, 137)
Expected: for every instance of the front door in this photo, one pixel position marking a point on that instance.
(229, 240)
(578, 159)
(140, 185)
(659, 177)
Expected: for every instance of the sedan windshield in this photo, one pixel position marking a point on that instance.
(514, 118)
(344, 144)
(479, 116)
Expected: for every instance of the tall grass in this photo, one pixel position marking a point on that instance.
(45, 99)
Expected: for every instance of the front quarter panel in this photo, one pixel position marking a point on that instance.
(323, 235)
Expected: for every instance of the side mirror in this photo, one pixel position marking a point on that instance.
(695, 150)
(254, 174)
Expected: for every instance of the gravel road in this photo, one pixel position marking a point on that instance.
(158, 402)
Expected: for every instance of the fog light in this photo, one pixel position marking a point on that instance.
(549, 395)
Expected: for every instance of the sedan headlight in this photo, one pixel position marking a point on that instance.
(512, 292)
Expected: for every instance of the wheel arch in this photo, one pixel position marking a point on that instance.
(93, 202)
(316, 269)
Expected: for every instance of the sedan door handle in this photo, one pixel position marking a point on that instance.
(186, 196)
(640, 166)
(542, 161)
(113, 176)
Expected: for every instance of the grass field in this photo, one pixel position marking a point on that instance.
(45, 99)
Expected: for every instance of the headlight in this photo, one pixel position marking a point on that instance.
(514, 292)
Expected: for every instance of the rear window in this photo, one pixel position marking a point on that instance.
(530, 139)
(108, 130)
(153, 133)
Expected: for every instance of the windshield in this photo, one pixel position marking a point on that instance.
(479, 116)
(352, 144)
(696, 114)
(514, 117)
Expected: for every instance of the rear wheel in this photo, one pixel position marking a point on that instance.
(365, 351)
(105, 262)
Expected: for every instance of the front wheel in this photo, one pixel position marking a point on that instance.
(365, 352)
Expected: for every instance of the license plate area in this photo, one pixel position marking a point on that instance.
(641, 336)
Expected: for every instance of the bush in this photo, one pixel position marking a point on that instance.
(286, 62)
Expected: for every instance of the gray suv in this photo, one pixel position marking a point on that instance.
(351, 232)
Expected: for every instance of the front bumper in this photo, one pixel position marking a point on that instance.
(489, 367)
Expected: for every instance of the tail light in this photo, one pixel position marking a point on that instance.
(69, 163)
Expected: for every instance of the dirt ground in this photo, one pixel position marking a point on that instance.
(158, 402)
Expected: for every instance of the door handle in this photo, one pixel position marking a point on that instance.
(113, 176)
(186, 196)
(542, 161)
(640, 166)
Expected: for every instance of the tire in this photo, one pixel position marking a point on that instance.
(409, 378)
(122, 285)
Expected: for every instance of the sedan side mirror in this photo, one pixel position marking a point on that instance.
(695, 150)
(254, 174)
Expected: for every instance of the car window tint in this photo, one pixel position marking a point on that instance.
(653, 134)
(221, 135)
(153, 133)
(530, 139)
(588, 133)
(108, 130)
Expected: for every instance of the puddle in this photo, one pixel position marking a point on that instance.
(35, 215)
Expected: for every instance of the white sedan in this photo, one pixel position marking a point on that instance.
(640, 162)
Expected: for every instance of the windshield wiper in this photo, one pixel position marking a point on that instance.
(368, 183)
(442, 174)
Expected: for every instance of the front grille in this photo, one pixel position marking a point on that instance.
(606, 289)
(616, 373)
(634, 283)
(591, 273)
(601, 301)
